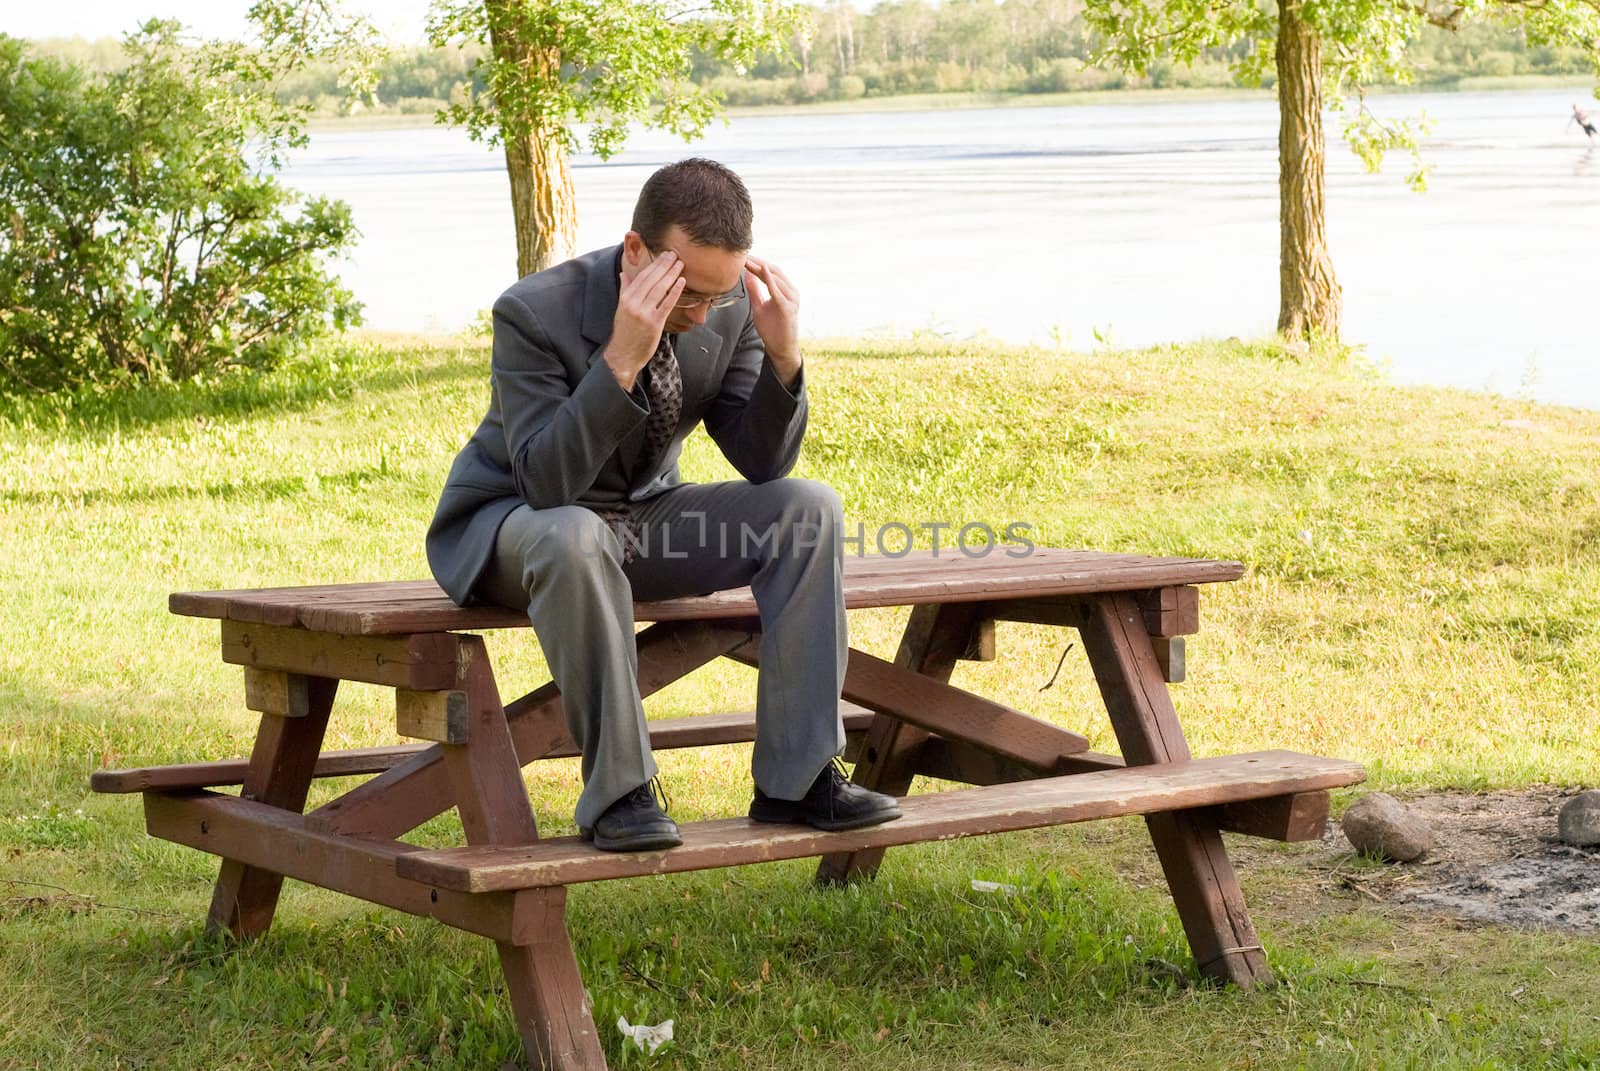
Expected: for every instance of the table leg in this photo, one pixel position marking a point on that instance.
(936, 637)
(281, 765)
(1204, 886)
(405, 796)
(542, 976)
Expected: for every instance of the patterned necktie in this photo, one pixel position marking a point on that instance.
(663, 387)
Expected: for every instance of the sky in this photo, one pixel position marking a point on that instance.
(401, 20)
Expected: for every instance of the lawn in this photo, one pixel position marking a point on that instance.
(1422, 594)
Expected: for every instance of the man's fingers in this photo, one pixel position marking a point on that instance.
(756, 287)
(777, 283)
(652, 272)
(662, 284)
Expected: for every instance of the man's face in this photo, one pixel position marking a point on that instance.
(710, 274)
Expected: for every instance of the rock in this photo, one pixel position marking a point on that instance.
(1579, 824)
(1378, 824)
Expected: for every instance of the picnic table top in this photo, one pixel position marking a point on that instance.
(412, 606)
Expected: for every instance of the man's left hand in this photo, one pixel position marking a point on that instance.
(775, 309)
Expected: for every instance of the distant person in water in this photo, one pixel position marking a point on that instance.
(1584, 122)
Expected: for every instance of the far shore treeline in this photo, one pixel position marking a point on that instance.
(898, 48)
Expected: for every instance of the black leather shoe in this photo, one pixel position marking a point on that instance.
(635, 823)
(831, 803)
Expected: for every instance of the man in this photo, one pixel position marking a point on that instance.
(567, 502)
(1584, 124)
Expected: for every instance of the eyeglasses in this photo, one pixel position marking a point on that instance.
(715, 301)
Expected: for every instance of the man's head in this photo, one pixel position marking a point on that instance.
(701, 211)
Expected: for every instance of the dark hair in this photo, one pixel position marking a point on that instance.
(703, 197)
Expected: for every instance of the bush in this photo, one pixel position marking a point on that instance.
(137, 243)
(1495, 64)
(849, 87)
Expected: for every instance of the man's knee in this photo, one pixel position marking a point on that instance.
(566, 542)
(810, 518)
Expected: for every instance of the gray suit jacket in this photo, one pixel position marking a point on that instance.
(561, 430)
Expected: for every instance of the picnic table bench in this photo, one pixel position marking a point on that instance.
(902, 718)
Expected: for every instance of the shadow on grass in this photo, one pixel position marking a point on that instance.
(334, 373)
(233, 490)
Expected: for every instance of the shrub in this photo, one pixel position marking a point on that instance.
(849, 87)
(137, 241)
(1495, 64)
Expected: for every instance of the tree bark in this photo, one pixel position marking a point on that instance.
(1309, 300)
(544, 209)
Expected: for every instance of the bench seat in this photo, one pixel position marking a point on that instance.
(934, 816)
(666, 734)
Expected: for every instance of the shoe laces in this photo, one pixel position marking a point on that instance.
(653, 791)
(837, 775)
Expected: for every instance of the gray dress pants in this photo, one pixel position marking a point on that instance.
(782, 538)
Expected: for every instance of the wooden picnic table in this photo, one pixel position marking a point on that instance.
(902, 718)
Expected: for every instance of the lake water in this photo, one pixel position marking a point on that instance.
(1141, 222)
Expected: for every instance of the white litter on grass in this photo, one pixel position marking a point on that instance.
(648, 1038)
(979, 885)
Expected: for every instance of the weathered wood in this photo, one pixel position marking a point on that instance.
(968, 763)
(1298, 818)
(934, 638)
(269, 839)
(546, 989)
(1170, 611)
(421, 662)
(437, 716)
(1066, 611)
(1204, 888)
(1170, 657)
(697, 731)
(279, 775)
(272, 691)
(934, 706)
(917, 578)
(933, 816)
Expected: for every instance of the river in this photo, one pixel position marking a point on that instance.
(1128, 223)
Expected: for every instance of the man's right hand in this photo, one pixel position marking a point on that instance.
(643, 304)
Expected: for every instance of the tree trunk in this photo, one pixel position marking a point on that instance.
(544, 209)
(1308, 294)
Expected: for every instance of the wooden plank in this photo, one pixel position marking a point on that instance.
(277, 841)
(437, 716)
(1298, 818)
(281, 762)
(419, 607)
(423, 662)
(700, 730)
(272, 691)
(935, 706)
(1204, 887)
(958, 760)
(935, 816)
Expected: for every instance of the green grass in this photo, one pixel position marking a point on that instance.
(1422, 594)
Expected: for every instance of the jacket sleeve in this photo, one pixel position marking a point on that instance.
(558, 437)
(755, 420)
